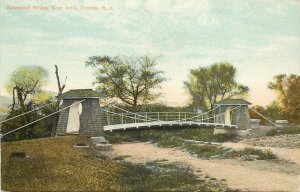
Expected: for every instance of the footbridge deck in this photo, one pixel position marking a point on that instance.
(163, 123)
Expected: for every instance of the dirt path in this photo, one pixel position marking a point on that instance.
(253, 176)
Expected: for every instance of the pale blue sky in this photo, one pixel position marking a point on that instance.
(261, 38)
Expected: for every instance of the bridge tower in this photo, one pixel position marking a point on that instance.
(83, 118)
(235, 112)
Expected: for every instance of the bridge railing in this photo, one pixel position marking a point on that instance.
(112, 118)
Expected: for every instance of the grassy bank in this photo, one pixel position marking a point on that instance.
(285, 130)
(53, 164)
(160, 135)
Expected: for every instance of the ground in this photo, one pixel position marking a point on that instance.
(259, 175)
(279, 174)
(155, 160)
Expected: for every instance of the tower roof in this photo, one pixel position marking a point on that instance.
(233, 102)
(80, 93)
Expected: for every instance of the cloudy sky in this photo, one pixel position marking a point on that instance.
(261, 38)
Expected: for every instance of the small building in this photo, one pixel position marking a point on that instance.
(83, 118)
(233, 112)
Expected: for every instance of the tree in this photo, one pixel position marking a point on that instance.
(207, 85)
(25, 82)
(272, 112)
(132, 80)
(288, 90)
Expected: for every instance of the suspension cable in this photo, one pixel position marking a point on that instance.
(264, 117)
(134, 113)
(203, 113)
(41, 118)
(28, 112)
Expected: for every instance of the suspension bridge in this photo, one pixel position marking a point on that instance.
(121, 119)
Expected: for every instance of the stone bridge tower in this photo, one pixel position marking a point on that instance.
(83, 118)
(239, 116)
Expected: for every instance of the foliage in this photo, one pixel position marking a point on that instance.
(132, 80)
(272, 112)
(40, 129)
(207, 85)
(262, 154)
(25, 84)
(288, 89)
(26, 81)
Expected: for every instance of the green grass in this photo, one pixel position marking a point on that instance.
(53, 164)
(204, 151)
(262, 154)
(166, 136)
(290, 130)
(284, 130)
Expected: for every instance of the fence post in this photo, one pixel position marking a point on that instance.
(202, 118)
(185, 116)
(158, 116)
(166, 116)
(122, 118)
(135, 118)
(179, 116)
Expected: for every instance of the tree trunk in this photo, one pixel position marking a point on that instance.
(60, 90)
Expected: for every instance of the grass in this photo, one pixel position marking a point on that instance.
(53, 164)
(285, 130)
(155, 177)
(204, 151)
(247, 152)
(168, 136)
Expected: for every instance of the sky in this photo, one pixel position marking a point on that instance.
(261, 38)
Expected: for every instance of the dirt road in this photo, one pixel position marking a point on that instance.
(244, 175)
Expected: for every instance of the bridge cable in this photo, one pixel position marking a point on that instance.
(28, 112)
(264, 117)
(41, 118)
(134, 113)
